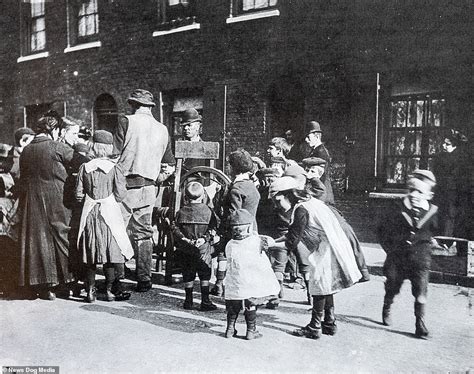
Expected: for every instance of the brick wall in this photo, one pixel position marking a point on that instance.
(325, 54)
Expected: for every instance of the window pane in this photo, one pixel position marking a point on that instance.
(87, 25)
(413, 164)
(437, 112)
(38, 25)
(420, 109)
(395, 171)
(37, 8)
(173, 2)
(396, 143)
(399, 114)
(412, 111)
(38, 41)
(413, 143)
(434, 143)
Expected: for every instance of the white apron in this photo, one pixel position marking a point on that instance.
(249, 272)
(109, 210)
(333, 265)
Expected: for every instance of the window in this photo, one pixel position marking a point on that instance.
(33, 26)
(83, 24)
(244, 10)
(87, 19)
(254, 5)
(413, 135)
(173, 14)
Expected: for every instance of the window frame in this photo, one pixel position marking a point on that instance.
(184, 19)
(238, 14)
(74, 40)
(430, 135)
(26, 31)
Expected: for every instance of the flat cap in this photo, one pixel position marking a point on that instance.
(103, 136)
(312, 161)
(240, 217)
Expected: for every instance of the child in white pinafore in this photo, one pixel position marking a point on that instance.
(102, 237)
(250, 280)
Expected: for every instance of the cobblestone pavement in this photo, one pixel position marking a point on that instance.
(152, 333)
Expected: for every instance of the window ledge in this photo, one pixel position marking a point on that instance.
(194, 26)
(251, 16)
(82, 46)
(32, 57)
(386, 195)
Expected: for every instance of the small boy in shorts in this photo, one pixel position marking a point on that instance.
(193, 230)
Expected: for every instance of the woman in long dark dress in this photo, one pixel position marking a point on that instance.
(44, 245)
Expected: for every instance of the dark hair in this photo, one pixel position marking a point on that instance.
(46, 125)
(456, 137)
(241, 161)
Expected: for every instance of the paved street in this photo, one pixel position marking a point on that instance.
(152, 333)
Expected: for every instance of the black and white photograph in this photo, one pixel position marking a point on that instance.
(236, 186)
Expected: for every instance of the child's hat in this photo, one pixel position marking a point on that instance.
(194, 190)
(314, 161)
(103, 136)
(285, 184)
(424, 175)
(240, 217)
(267, 172)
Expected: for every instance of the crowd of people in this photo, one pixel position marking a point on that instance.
(73, 200)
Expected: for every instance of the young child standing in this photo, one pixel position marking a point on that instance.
(250, 280)
(193, 231)
(102, 236)
(243, 194)
(406, 234)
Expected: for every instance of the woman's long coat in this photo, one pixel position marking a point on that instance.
(44, 245)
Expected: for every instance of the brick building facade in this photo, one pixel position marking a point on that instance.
(382, 77)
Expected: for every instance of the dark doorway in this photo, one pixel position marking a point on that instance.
(287, 101)
(106, 113)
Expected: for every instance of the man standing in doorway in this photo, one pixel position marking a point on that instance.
(313, 139)
(141, 142)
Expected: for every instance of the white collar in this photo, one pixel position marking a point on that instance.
(241, 177)
(103, 164)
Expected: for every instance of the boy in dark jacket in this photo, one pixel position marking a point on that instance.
(406, 234)
(193, 231)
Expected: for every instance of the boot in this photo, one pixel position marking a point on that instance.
(329, 324)
(90, 285)
(273, 303)
(313, 329)
(421, 331)
(308, 295)
(206, 304)
(188, 301)
(233, 309)
(109, 273)
(218, 289)
(251, 320)
(117, 289)
(386, 317)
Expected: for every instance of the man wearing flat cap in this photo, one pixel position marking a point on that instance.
(142, 143)
(313, 139)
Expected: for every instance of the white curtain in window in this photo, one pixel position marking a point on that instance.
(257, 4)
(37, 8)
(176, 2)
(88, 18)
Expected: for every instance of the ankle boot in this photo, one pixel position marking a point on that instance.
(218, 289)
(251, 320)
(117, 289)
(329, 324)
(206, 304)
(233, 310)
(90, 285)
(421, 331)
(313, 329)
(109, 273)
(386, 317)
(188, 301)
